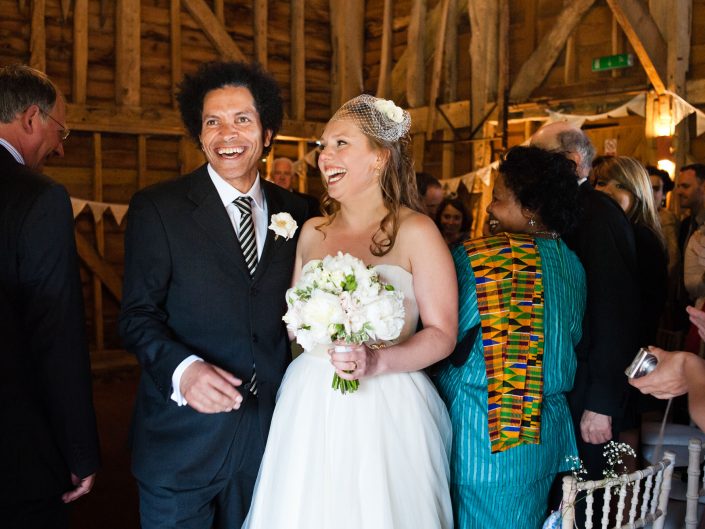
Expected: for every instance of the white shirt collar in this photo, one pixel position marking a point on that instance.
(14, 152)
(228, 193)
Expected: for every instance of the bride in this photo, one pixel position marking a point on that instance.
(377, 457)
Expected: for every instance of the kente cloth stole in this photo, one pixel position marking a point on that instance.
(510, 297)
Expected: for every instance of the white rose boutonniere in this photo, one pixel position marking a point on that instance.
(283, 224)
(389, 109)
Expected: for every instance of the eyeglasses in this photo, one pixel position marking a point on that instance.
(63, 131)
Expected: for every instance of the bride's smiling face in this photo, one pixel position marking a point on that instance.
(347, 159)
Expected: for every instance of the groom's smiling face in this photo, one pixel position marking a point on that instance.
(231, 135)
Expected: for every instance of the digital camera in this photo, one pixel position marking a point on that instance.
(643, 364)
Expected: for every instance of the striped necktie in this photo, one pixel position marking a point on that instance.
(246, 233)
(248, 244)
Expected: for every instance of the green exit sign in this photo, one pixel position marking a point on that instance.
(611, 62)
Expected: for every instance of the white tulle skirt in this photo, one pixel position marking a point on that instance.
(373, 459)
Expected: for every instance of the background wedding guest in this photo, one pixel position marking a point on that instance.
(282, 174)
(512, 433)
(430, 191)
(378, 457)
(625, 180)
(48, 442)
(454, 221)
(202, 306)
(661, 184)
(604, 242)
(691, 196)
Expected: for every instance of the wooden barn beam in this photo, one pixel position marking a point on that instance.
(484, 42)
(38, 39)
(644, 36)
(570, 67)
(537, 66)
(437, 71)
(175, 47)
(298, 60)
(678, 56)
(416, 69)
(449, 90)
(160, 122)
(399, 72)
(260, 31)
(97, 265)
(384, 84)
(503, 75)
(127, 52)
(80, 51)
(347, 35)
(214, 30)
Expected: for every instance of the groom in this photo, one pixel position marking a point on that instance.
(202, 308)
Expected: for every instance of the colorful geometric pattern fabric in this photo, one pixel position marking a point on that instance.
(510, 299)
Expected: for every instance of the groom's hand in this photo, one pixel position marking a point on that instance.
(210, 389)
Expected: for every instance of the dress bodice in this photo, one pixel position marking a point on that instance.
(402, 281)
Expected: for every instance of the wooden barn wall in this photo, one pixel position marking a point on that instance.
(111, 166)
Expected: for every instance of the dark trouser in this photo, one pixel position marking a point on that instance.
(49, 513)
(221, 504)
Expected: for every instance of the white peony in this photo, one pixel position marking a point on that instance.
(386, 314)
(283, 224)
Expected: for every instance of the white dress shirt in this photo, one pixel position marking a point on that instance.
(227, 194)
(14, 152)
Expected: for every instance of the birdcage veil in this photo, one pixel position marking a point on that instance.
(379, 118)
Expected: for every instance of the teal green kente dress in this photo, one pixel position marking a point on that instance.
(509, 489)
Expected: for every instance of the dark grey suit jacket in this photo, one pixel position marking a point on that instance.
(46, 407)
(187, 291)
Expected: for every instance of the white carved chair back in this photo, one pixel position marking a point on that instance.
(648, 490)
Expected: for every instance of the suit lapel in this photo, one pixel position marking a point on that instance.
(210, 215)
(275, 205)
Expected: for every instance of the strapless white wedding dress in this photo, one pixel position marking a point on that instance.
(373, 459)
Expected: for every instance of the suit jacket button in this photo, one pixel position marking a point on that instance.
(254, 338)
(254, 291)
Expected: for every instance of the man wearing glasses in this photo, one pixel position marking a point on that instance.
(48, 437)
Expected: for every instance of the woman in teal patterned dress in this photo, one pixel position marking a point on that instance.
(522, 297)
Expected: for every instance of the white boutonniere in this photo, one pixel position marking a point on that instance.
(389, 109)
(283, 224)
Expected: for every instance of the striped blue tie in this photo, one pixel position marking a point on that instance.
(246, 234)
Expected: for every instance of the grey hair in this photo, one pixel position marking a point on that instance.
(285, 160)
(577, 141)
(21, 87)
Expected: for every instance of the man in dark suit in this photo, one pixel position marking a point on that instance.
(691, 195)
(48, 440)
(604, 242)
(205, 280)
(282, 174)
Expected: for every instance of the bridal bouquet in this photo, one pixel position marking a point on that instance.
(339, 298)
